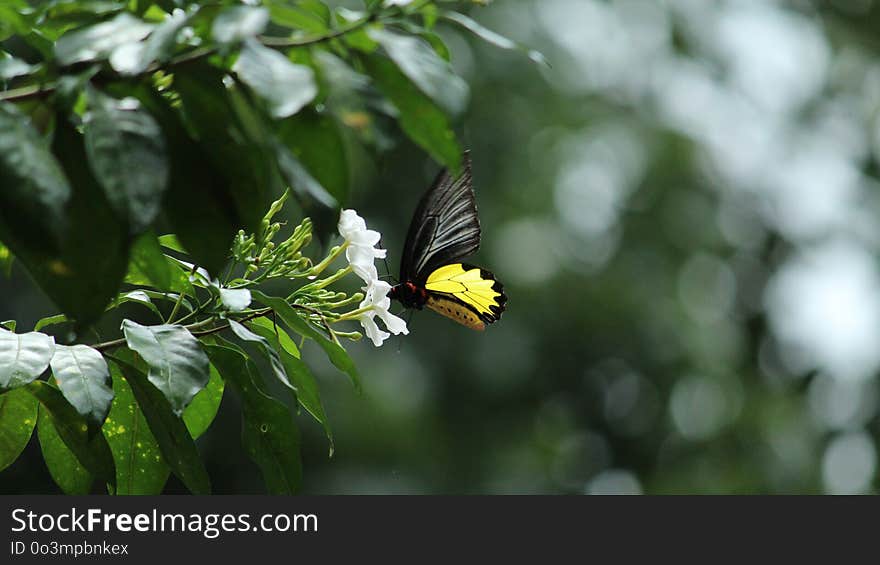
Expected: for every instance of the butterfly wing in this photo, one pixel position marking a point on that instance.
(469, 295)
(444, 228)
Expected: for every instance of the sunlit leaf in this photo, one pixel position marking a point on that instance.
(98, 41)
(18, 416)
(65, 469)
(494, 38)
(172, 436)
(178, 366)
(419, 117)
(23, 357)
(90, 449)
(50, 321)
(201, 412)
(427, 71)
(284, 86)
(140, 468)
(158, 47)
(239, 23)
(82, 375)
(337, 355)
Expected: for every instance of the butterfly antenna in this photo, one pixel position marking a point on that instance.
(387, 270)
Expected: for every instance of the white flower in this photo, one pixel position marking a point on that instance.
(360, 245)
(376, 299)
(235, 299)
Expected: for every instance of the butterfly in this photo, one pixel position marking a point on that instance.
(445, 228)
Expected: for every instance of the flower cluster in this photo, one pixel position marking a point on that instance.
(361, 252)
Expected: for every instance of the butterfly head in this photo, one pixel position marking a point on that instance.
(408, 294)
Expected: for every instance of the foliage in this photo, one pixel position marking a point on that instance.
(123, 120)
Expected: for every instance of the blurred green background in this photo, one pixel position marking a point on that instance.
(683, 210)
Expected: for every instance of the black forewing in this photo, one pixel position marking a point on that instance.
(444, 228)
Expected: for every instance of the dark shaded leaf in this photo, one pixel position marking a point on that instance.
(316, 141)
(268, 432)
(35, 191)
(304, 385)
(268, 350)
(128, 157)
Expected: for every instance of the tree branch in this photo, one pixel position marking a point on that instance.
(38, 91)
(192, 328)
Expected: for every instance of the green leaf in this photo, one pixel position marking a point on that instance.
(9, 325)
(35, 192)
(178, 366)
(98, 41)
(11, 67)
(201, 412)
(81, 373)
(274, 359)
(239, 165)
(140, 468)
(127, 155)
(6, 260)
(170, 241)
(303, 15)
(427, 71)
(493, 38)
(50, 321)
(149, 266)
(284, 86)
(304, 385)
(23, 357)
(65, 469)
(90, 450)
(175, 443)
(18, 416)
(312, 197)
(268, 432)
(136, 297)
(239, 23)
(420, 118)
(316, 141)
(89, 268)
(158, 47)
(337, 355)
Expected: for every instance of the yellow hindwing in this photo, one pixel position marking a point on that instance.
(468, 295)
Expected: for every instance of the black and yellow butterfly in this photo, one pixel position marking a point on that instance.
(444, 229)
